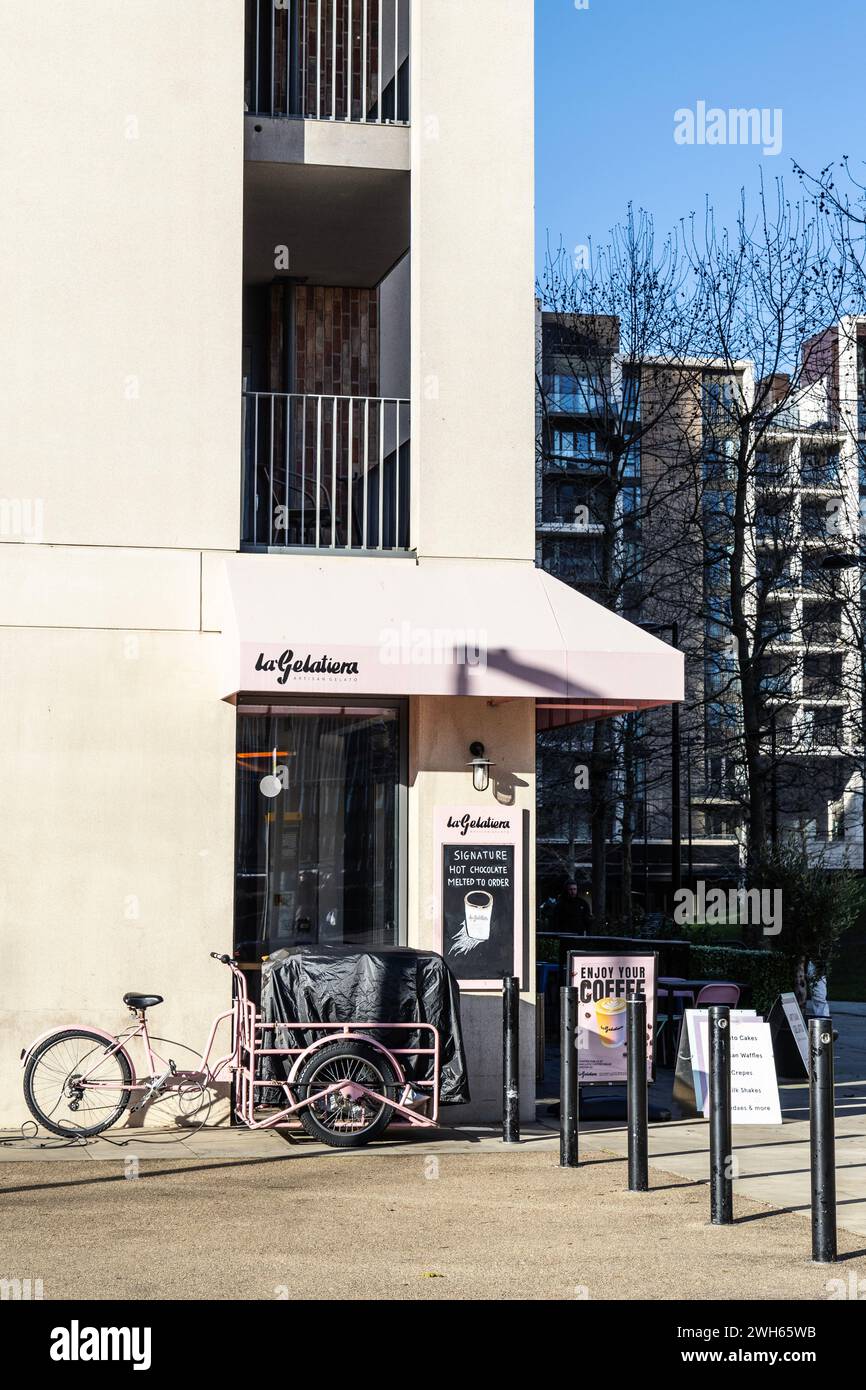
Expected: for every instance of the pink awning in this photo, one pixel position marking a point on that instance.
(334, 625)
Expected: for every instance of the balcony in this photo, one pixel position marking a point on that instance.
(825, 735)
(325, 473)
(328, 60)
(821, 628)
(773, 528)
(818, 471)
(576, 561)
(776, 685)
(785, 419)
(567, 394)
(574, 451)
(772, 471)
(815, 579)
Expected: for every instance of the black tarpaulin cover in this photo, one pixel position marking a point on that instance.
(392, 984)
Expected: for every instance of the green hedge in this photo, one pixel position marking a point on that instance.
(547, 948)
(769, 973)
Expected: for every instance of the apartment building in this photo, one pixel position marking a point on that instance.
(804, 546)
(270, 611)
(809, 484)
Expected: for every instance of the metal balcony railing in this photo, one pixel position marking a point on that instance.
(332, 60)
(325, 472)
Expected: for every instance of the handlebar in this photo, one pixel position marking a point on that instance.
(226, 960)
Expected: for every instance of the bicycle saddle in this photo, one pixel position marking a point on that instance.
(142, 1001)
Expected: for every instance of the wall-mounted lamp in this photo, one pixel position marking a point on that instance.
(480, 767)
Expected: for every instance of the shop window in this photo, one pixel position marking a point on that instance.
(318, 815)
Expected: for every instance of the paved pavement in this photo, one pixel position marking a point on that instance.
(425, 1224)
(773, 1161)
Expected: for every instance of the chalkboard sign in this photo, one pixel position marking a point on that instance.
(478, 910)
(479, 894)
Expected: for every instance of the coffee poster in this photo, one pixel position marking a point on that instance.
(479, 894)
(604, 984)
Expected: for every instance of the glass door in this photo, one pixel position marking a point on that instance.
(318, 826)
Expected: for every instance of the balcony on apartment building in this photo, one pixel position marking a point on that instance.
(326, 462)
(822, 625)
(776, 684)
(820, 470)
(566, 393)
(326, 277)
(773, 470)
(820, 522)
(573, 506)
(773, 527)
(779, 419)
(823, 728)
(822, 676)
(777, 623)
(575, 450)
(332, 60)
(774, 570)
(327, 83)
(816, 579)
(576, 560)
(325, 472)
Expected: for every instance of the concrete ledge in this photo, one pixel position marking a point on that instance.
(340, 144)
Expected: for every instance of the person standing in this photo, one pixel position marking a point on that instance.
(571, 913)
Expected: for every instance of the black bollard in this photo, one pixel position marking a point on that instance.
(510, 1060)
(568, 1094)
(822, 1140)
(721, 1185)
(638, 1161)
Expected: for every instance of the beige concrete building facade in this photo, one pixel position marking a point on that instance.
(267, 574)
(143, 199)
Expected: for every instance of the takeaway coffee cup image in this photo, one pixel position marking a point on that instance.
(478, 906)
(610, 1017)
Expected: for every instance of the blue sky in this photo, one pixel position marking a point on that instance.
(610, 77)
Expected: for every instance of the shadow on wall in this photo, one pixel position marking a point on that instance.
(505, 786)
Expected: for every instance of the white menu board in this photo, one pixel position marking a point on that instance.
(754, 1089)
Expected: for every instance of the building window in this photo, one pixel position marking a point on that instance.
(319, 809)
(577, 502)
(573, 394)
(823, 727)
(720, 825)
(577, 444)
(718, 400)
(820, 469)
(575, 562)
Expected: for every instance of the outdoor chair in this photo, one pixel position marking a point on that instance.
(718, 994)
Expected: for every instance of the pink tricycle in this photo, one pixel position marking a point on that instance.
(345, 1087)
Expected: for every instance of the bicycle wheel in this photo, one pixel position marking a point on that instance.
(343, 1119)
(58, 1098)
